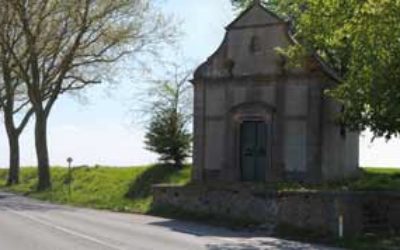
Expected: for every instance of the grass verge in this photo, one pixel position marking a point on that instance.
(116, 189)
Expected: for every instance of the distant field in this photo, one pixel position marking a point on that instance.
(378, 179)
(392, 170)
(117, 189)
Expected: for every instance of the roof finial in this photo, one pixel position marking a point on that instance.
(256, 2)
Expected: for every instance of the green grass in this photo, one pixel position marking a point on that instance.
(116, 189)
(129, 189)
(370, 179)
(378, 179)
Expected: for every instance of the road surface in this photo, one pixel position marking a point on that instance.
(26, 224)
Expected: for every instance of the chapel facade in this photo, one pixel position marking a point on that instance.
(256, 120)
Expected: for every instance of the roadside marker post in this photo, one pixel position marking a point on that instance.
(69, 160)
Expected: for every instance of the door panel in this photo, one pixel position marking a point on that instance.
(248, 159)
(253, 150)
(261, 158)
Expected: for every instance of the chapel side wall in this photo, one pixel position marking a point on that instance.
(352, 154)
(295, 129)
(314, 129)
(340, 148)
(333, 142)
(302, 128)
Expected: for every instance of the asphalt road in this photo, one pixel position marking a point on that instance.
(26, 224)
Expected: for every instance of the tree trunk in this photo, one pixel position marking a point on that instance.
(42, 153)
(13, 173)
(178, 163)
(13, 143)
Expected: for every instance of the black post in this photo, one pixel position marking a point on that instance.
(69, 160)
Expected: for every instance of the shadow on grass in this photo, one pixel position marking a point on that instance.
(141, 186)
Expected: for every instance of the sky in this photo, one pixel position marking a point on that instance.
(100, 128)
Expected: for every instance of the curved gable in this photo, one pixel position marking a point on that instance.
(249, 48)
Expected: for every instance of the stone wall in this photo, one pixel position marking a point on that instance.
(363, 212)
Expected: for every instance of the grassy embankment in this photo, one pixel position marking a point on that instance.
(129, 189)
(116, 189)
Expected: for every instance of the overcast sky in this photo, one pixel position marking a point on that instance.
(101, 129)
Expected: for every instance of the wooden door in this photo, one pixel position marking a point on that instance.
(253, 151)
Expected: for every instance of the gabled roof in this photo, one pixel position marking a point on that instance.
(255, 15)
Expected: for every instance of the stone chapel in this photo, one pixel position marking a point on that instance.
(255, 120)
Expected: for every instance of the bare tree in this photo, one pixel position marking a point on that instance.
(173, 90)
(13, 101)
(66, 42)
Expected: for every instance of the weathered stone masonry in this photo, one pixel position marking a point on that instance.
(362, 212)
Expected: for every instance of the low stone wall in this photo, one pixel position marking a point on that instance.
(361, 211)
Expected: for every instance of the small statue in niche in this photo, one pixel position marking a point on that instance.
(255, 45)
(229, 66)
